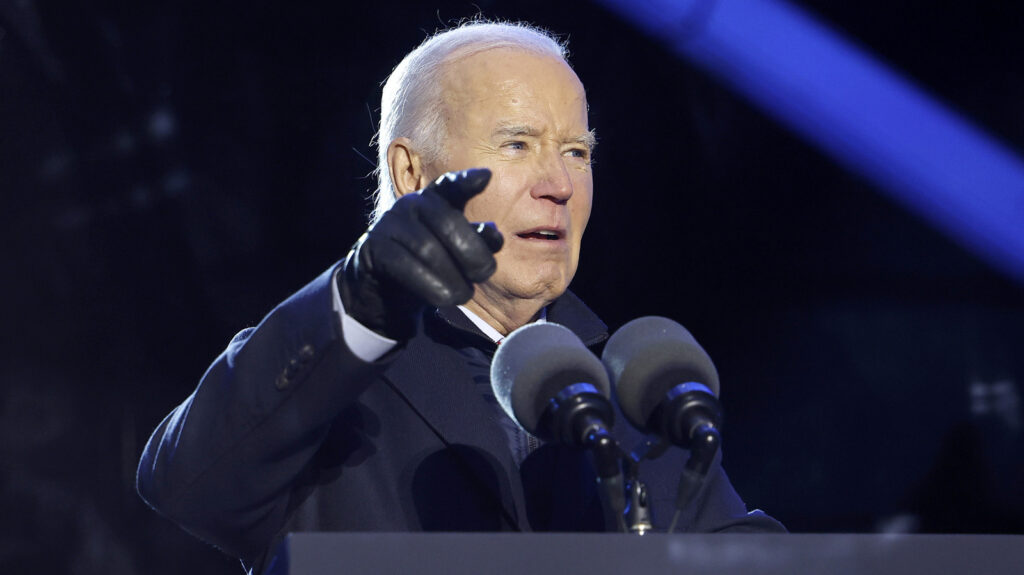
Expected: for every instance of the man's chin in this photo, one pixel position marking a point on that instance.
(534, 287)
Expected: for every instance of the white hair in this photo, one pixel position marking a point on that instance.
(411, 104)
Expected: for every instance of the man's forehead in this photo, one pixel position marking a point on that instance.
(514, 90)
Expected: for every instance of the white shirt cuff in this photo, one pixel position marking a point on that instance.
(364, 343)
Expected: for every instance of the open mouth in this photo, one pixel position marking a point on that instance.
(541, 235)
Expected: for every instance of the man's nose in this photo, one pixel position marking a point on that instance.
(554, 182)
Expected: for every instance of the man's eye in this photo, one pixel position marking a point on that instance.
(578, 153)
(515, 145)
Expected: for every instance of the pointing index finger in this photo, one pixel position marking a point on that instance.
(458, 187)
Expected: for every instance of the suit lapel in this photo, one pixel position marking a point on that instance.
(436, 379)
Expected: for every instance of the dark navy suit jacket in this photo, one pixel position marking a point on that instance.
(289, 431)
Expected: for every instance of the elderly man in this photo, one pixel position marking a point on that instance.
(362, 402)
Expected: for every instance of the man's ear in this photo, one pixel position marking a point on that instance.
(406, 165)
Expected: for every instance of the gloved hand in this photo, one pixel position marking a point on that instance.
(422, 251)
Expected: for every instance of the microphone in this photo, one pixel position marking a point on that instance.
(666, 384)
(547, 380)
(664, 380)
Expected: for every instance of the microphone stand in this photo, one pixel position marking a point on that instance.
(705, 443)
(638, 510)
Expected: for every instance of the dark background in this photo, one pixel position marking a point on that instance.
(170, 172)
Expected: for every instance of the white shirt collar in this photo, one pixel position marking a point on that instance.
(489, 331)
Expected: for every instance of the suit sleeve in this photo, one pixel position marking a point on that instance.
(721, 510)
(717, 507)
(221, 464)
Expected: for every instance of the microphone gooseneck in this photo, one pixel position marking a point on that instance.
(666, 384)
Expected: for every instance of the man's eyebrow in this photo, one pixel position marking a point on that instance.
(516, 130)
(588, 139)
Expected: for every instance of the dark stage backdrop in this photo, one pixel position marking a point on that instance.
(170, 172)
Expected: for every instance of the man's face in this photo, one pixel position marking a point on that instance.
(524, 117)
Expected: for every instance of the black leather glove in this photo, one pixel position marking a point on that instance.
(422, 251)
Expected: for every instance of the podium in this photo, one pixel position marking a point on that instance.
(689, 554)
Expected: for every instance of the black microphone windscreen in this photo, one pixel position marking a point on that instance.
(649, 356)
(537, 361)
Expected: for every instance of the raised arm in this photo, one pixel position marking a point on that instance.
(223, 463)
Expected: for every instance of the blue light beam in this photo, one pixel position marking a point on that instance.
(861, 113)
